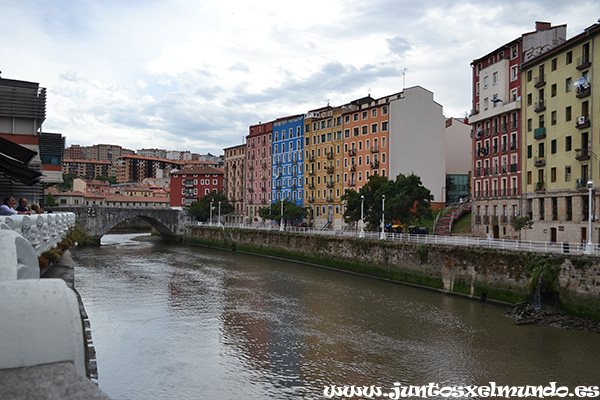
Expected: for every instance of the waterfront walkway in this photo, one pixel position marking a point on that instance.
(574, 248)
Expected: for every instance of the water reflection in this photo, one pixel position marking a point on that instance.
(184, 322)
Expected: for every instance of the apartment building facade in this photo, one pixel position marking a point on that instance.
(135, 168)
(89, 168)
(234, 184)
(190, 184)
(258, 169)
(496, 123)
(323, 162)
(287, 159)
(561, 140)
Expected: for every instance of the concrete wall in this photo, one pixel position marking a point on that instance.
(476, 272)
(417, 142)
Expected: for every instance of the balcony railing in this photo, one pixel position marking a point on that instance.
(375, 164)
(540, 81)
(375, 149)
(582, 154)
(539, 161)
(540, 106)
(540, 186)
(539, 133)
(583, 122)
(352, 152)
(583, 62)
(330, 170)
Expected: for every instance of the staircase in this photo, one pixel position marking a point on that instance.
(453, 212)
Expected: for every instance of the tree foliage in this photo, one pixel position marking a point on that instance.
(522, 223)
(201, 209)
(406, 200)
(291, 211)
(110, 179)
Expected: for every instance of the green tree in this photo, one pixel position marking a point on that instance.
(110, 179)
(49, 200)
(201, 209)
(521, 223)
(406, 200)
(291, 212)
(67, 184)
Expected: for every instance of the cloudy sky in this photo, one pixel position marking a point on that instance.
(194, 74)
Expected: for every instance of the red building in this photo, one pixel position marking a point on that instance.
(496, 127)
(190, 184)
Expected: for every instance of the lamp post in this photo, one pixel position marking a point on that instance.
(219, 214)
(281, 222)
(362, 222)
(382, 235)
(211, 208)
(588, 249)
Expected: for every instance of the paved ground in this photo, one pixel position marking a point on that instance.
(58, 381)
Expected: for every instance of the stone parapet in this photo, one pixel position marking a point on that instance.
(43, 231)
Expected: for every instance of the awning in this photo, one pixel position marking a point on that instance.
(13, 160)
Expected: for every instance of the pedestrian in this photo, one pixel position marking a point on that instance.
(461, 200)
(8, 207)
(23, 205)
(36, 208)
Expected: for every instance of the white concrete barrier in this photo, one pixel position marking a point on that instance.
(40, 324)
(18, 258)
(43, 231)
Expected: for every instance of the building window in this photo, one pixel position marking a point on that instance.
(568, 113)
(568, 85)
(529, 75)
(384, 126)
(553, 174)
(553, 118)
(553, 146)
(569, 57)
(567, 173)
(553, 63)
(373, 128)
(553, 90)
(568, 143)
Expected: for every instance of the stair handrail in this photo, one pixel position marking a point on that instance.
(459, 212)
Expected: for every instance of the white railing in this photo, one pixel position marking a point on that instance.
(43, 231)
(468, 241)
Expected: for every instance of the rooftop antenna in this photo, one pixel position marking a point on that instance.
(369, 94)
(404, 78)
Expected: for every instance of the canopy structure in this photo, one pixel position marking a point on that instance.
(13, 162)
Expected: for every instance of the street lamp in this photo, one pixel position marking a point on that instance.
(590, 186)
(382, 235)
(362, 222)
(211, 207)
(281, 222)
(219, 214)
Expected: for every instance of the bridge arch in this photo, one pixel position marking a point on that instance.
(97, 221)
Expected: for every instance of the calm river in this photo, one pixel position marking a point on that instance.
(180, 322)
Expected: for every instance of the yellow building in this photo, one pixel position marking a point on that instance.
(323, 159)
(561, 141)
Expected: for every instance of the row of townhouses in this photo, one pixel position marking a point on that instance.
(312, 158)
(535, 136)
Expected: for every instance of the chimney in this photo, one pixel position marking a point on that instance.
(540, 26)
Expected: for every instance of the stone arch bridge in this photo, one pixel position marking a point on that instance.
(97, 221)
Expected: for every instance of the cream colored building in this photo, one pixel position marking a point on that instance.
(561, 141)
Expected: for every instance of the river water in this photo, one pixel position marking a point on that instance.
(182, 322)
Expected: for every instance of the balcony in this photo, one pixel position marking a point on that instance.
(539, 133)
(375, 164)
(582, 154)
(582, 91)
(353, 168)
(540, 81)
(330, 155)
(375, 149)
(540, 186)
(311, 186)
(352, 184)
(312, 172)
(352, 153)
(583, 122)
(311, 199)
(540, 106)
(311, 158)
(330, 170)
(539, 162)
(330, 184)
(514, 167)
(583, 63)
(330, 199)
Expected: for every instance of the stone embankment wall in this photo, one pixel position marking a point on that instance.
(480, 273)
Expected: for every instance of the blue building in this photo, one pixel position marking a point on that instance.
(288, 167)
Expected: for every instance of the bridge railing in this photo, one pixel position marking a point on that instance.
(43, 231)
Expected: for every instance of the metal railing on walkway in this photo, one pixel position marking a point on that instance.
(467, 241)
